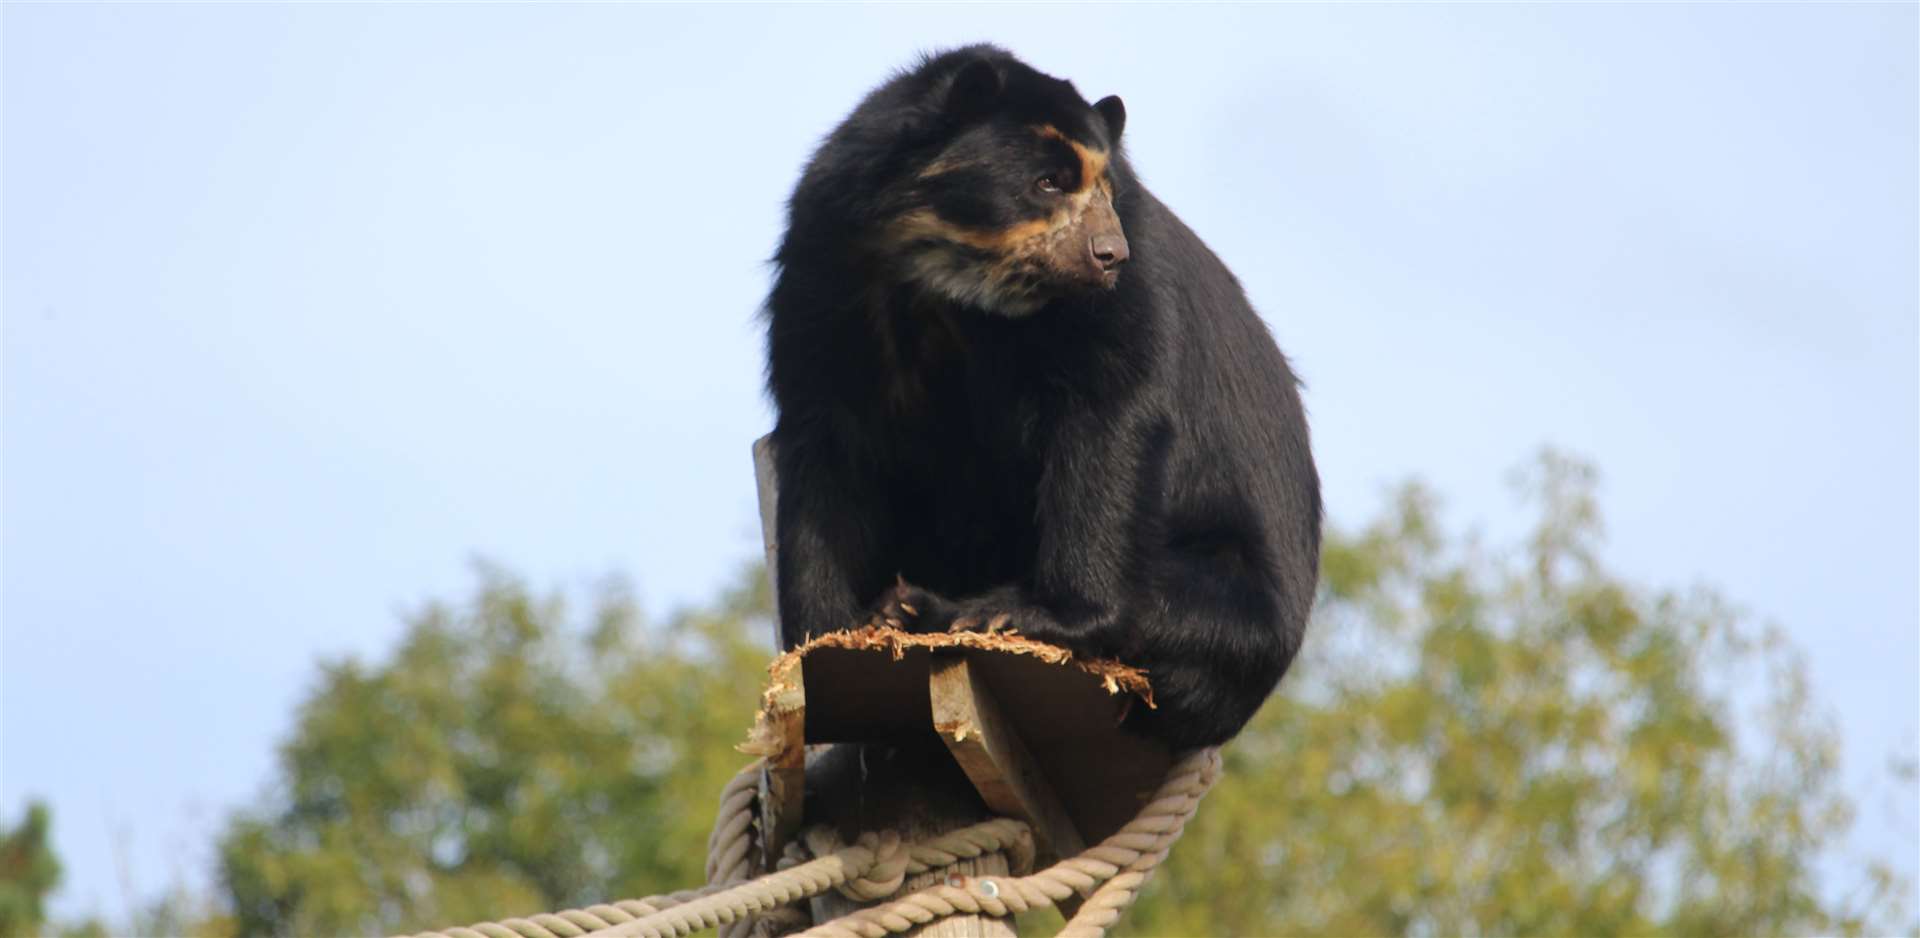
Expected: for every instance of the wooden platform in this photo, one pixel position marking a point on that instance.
(1036, 731)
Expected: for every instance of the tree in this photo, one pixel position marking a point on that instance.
(1476, 740)
(1518, 742)
(28, 872)
(505, 761)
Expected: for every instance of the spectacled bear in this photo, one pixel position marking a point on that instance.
(1016, 392)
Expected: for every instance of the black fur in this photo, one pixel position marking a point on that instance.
(1124, 472)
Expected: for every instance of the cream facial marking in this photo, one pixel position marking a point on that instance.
(923, 223)
(1093, 163)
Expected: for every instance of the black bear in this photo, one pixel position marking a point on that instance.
(1015, 391)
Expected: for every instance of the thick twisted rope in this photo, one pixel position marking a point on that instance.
(1110, 874)
(730, 847)
(875, 866)
(897, 861)
(571, 923)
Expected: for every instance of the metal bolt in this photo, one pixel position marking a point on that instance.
(990, 888)
(956, 880)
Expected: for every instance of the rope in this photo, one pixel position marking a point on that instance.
(730, 846)
(875, 866)
(572, 923)
(1110, 874)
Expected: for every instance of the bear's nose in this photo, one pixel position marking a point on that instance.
(1110, 250)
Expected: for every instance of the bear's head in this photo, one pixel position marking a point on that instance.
(1008, 198)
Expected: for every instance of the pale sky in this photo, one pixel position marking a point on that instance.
(304, 306)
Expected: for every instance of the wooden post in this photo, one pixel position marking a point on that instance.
(913, 789)
(768, 489)
(783, 781)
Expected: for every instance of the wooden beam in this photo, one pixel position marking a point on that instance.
(768, 487)
(990, 751)
(783, 781)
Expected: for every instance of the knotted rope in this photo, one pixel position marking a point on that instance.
(1109, 875)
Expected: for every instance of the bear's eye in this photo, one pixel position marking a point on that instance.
(1049, 183)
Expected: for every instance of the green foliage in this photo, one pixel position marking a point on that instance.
(1518, 742)
(505, 761)
(28, 871)
(1475, 742)
(176, 911)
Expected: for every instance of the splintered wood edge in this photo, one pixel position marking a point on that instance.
(1117, 678)
(772, 735)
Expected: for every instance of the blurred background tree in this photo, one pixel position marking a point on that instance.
(1516, 741)
(505, 761)
(1477, 740)
(28, 872)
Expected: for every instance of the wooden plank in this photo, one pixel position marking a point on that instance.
(768, 486)
(783, 781)
(1071, 725)
(989, 750)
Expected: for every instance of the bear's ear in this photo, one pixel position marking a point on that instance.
(974, 89)
(1114, 113)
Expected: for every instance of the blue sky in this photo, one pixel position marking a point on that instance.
(304, 306)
